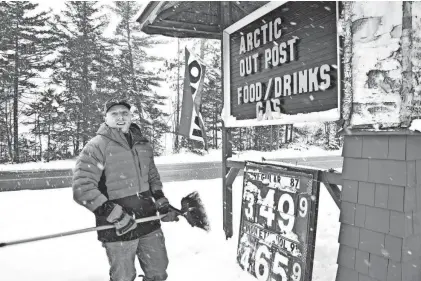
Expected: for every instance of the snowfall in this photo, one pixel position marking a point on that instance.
(193, 253)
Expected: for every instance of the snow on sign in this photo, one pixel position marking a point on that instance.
(281, 65)
(278, 222)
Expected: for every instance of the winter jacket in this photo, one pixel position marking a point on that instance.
(109, 169)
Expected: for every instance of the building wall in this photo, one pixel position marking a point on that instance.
(376, 68)
(380, 235)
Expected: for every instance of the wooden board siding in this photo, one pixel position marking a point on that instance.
(314, 23)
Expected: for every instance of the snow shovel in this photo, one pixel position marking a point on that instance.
(191, 208)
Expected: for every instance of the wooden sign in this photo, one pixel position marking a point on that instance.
(278, 222)
(281, 65)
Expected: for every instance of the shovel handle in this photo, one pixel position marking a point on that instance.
(179, 212)
(98, 228)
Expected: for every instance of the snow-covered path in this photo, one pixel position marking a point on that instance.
(194, 254)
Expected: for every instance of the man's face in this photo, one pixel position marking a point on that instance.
(119, 117)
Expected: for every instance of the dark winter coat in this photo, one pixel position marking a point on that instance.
(109, 169)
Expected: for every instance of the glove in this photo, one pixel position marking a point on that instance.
(122, 221)
(163, 207)
(171, 216)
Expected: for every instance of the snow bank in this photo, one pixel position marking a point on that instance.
(294, 150)
(415, 125)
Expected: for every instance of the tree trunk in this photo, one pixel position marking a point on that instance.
(129, 46)
(291, 132)
(177, 125)
(49, 138)
(1, 147)
(39, 138)
(286, 134)
(76, 151)
(256, 138)
(8, 131)
(16, 102)
(240, 141)
(271, 137)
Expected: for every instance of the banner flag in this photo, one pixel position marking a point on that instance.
(191, 121)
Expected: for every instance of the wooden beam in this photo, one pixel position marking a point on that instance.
(182, 6)
(208, 34)
(333, 178)
(332, 188)
(240, 8)
(236, 164)
(188, 26)
(232, 174)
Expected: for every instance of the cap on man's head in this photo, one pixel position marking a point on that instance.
(115, 101)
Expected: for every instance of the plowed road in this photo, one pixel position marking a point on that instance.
(35, 179)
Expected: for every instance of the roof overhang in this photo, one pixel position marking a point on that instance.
(193, 19)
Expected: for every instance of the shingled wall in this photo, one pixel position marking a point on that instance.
(380, 235)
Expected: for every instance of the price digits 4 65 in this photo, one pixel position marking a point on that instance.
(280, 265)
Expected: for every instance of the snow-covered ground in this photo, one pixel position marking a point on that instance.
(194, 254)
(294, 150)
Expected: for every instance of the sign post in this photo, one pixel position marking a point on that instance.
(278, 222)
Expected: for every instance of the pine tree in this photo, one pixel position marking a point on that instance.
(83, 68)
(134, 79)
(332, 140)
(173, 71)
(156, 130)
(26, 42)
(212, 91)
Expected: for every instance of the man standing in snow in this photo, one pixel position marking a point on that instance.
(116, 178)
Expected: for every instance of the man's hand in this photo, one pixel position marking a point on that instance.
(171, 216)
(123, 222)
(163, 207)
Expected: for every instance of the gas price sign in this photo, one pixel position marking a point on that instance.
(278, 222)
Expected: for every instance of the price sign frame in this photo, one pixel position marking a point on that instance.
(278, 224)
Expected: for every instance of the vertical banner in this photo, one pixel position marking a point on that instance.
(191, 122)
(278, 222)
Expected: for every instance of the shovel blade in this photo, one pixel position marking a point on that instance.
(194, 211)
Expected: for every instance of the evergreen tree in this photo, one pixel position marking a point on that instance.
(26, 42)
(83, 68)
(173, 71)
(212, 91)
(46, 112)
(134, 79)
(156, 130)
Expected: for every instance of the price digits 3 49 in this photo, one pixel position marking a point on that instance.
(285, 207)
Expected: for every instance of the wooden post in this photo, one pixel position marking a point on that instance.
(226, 185)
(407, 93)
(226, 140)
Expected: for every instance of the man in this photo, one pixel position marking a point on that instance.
(116, 178)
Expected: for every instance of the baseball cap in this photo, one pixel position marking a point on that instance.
(115, 101)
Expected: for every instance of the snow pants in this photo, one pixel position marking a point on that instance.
(151, 252)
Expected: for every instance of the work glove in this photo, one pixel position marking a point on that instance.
(122, 221)
(163, 207)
